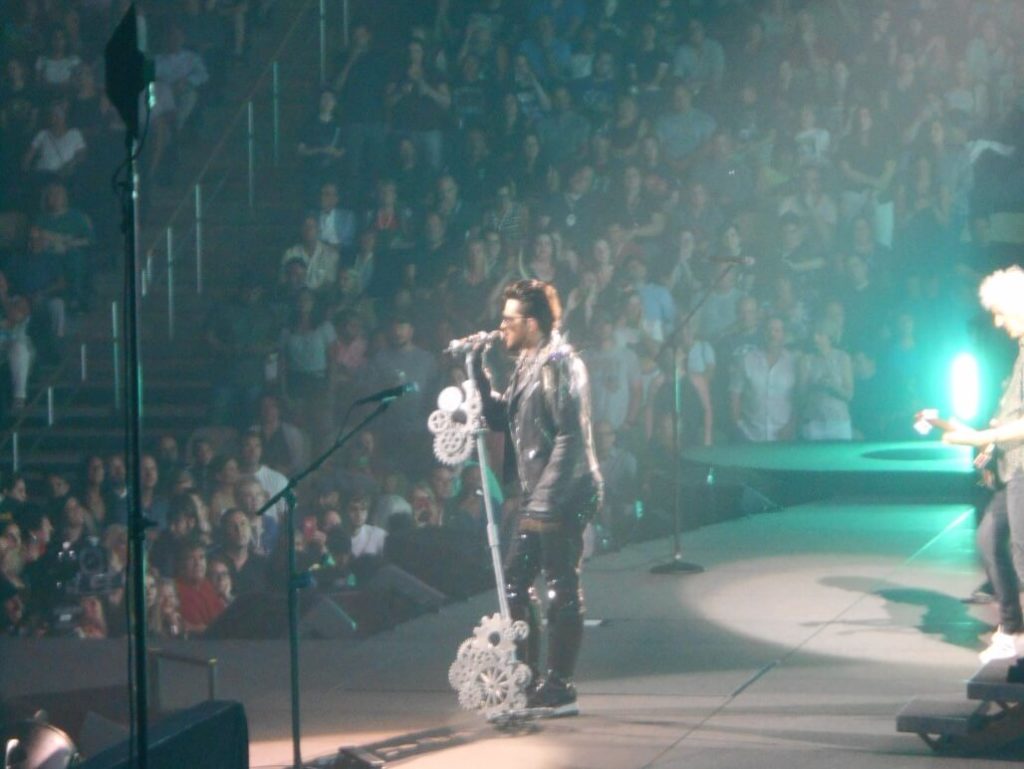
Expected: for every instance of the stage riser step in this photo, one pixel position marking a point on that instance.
(956, 717)
(1000, 681)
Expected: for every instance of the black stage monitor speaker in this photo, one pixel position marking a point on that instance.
(211, 735)
(265, 615)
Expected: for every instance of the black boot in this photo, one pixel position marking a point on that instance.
(554, 698)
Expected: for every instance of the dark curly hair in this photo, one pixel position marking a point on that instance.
(539, 301)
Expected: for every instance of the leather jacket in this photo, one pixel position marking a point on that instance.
(546, 413)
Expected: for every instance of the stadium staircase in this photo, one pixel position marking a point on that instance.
(177, 371)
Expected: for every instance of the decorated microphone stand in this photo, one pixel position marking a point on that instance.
(486, 673)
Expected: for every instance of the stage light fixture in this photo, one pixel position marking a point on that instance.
(36, 744)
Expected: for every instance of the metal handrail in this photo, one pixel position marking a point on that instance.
(193, 197)
(233, 123)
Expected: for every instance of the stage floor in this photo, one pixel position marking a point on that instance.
(809, 630)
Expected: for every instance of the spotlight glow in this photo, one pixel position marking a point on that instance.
(964, 388)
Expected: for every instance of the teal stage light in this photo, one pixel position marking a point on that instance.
(965, 389)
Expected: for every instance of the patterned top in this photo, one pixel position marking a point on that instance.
(1011, 408)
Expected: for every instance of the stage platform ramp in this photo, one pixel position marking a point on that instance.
(740, 479)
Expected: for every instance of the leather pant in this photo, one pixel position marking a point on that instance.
(556, 550)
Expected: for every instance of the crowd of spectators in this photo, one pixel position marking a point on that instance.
(782, 206)
(61, 140)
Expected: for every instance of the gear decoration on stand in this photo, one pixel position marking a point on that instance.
(455, 423)
(486, 673)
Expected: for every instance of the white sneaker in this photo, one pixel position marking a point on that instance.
(1002, 647)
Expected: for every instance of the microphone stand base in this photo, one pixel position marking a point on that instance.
(677, 566)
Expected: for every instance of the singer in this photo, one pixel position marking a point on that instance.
(545, 412)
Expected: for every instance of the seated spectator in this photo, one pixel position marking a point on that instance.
(251, 465)
(266, 526)
(700, 62)
(763, 385)
(36, 275)
(784, 302)
(468, 515)
(13, 496)
(547, 54)
(719, 313)
(420, 103)
(469, 290)
(12, 610)
(336, 226)
(647, 65)
(319, 258)
(242, 334)
(799, 259)
(169, 461)
(412, 179)
(813, 205)
(199, 602)
(182, 526)
(348, 362)
(446, 483)
(813, 143)
(55, 67)
(627, 129)
(321, 148)
(68, 233)
(724, 170)
(530, 169)
(73, 525)
(305, 361)
(219, 574)
(154, 505)
(509, 126)
(284, 445)
(614, 377)
(391, 501)
(116, 490)
(184, 71)
(867, 166)
(388, 221)
(201, 466)
(564, 132)
(15, 344)
(165, 620)
(684, 129)
(426, 510)
(701, 216)
(19, 117)
(460, 216)
(697, 357)
(825, 390)
(596, 92)
(248, 570)
(367, 540)
(224, 478)
(469, 94)
(619, 471)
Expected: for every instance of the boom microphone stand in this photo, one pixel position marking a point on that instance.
(677, 565)
(298, 581)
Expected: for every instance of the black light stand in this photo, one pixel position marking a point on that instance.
(677, 565)
(298, 581)
(126, 78)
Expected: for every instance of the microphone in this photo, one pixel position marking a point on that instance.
(471, 342)
(390, 394)
(742, 261)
